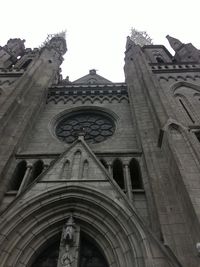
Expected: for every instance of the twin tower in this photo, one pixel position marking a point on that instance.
(95, 173)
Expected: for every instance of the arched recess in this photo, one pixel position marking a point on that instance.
(90, 255)
(38, 167)
(135, 174)
(185, 107)
(99, 217)
(85, 170)
(66, 170)
(18, 176)
(118, 173)
(159, 59)
(185, 94)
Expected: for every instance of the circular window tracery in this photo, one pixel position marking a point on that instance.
(95, 126)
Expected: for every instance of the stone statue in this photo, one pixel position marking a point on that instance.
(68, 232)
(69, 242)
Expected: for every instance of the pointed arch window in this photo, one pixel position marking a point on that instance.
(66, 168)
(85, 169)
(26, 63)
(18, 176)
(185, 108)
(159, 59)
(118, 173)
(186, 98)
(135, 174)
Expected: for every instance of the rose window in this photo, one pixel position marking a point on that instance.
(96, 127)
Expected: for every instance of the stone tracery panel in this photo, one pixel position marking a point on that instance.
(96, 126)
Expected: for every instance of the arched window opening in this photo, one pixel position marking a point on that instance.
(36, 171)
(67, 169)
(159, 59)
(18, 176)
(26, 63)
(135, 174)
(118, 173)
(186, 110)
(103, 162)
(85, 169)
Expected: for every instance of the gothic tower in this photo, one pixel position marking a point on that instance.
(96, 173)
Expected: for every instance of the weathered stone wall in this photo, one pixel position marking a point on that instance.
(42, 138)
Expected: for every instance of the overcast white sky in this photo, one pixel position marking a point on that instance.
(97, 29)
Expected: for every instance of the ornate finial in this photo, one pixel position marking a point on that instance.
(140, 37)
(57, 41)
(61, 34)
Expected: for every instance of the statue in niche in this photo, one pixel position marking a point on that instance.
(68, 232)
(67, 256)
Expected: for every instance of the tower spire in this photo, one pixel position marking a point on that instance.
(174, 43)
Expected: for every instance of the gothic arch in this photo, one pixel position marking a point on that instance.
(186, 107)
(66, 170)
(89, 253)
(40, 219)
(177, 85)
(135, 174)
(185, 93)
(118, 173)
(18, 176)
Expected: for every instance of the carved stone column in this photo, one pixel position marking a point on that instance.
(110, 169)
(25, 179)
(69, 245)
(128, 181)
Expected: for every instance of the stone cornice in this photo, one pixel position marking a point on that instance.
(174, 68)
(101, 92)
(11, 72)
(93, 89)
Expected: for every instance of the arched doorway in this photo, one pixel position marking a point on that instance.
(90, 254)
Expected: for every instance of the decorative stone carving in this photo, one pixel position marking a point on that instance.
(66, 259)
(68, 252)
(140, 38)
(59, 44)
(68, 233)
(15, 47)
(57, 41)
(97, 127)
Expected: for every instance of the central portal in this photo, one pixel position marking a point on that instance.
(75, 249)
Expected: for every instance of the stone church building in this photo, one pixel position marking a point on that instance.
(95, 173)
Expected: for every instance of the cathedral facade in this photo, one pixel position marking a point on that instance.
(95, 173)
